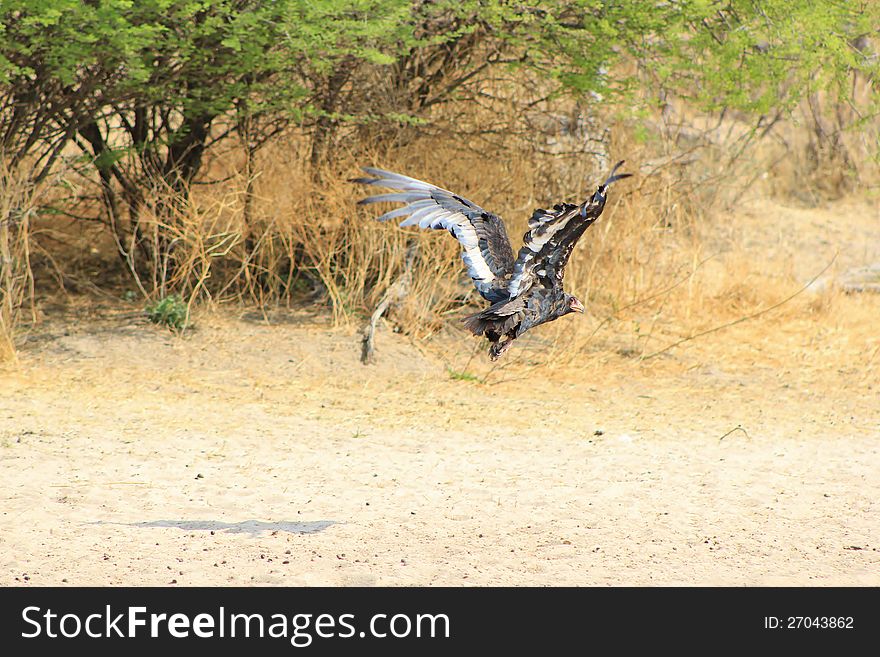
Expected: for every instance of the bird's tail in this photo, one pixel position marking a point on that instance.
(477, 323)
(498, 319)
(494, 321)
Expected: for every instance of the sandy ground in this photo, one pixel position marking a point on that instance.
(254, 452)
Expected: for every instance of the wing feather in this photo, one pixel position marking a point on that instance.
(397, 212)
(486, 249)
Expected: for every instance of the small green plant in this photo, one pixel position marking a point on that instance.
(463, 375)
(170, 311)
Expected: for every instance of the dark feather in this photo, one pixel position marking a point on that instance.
(500, 317)
(612, 178)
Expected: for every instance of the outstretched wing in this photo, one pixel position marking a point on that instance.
(485, 245)
(552, 237)
(547, 230)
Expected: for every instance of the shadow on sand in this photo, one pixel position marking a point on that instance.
(252, 527)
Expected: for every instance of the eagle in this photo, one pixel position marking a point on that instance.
(524, 291)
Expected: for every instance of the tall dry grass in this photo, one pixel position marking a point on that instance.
(18, 200)
(307, 232)
(276, 231)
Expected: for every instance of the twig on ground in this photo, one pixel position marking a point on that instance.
(738, 427)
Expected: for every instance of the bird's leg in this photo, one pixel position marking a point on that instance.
(497, 349)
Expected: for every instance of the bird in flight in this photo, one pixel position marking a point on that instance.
(524, 291)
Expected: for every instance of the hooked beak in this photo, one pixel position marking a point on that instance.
(576, 306)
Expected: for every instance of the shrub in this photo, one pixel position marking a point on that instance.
(170, 311)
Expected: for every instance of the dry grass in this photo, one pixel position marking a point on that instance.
(649, 271)
(17, 202)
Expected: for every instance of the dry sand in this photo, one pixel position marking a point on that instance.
(254, 452)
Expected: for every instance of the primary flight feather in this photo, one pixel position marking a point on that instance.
(524, 291)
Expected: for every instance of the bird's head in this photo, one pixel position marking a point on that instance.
(573, 304)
